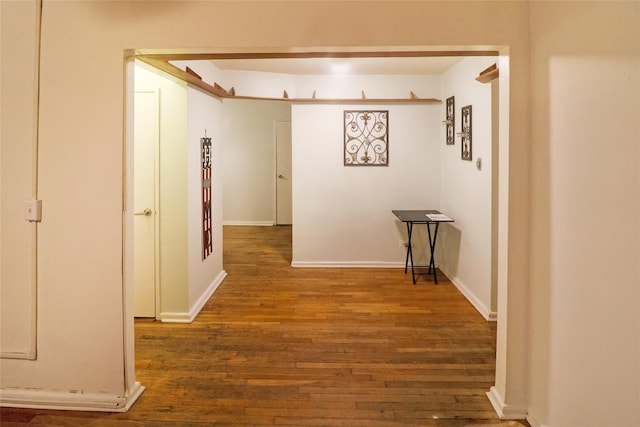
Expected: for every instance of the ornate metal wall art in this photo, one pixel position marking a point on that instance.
(207, 234)
(366, 138)
(466, 133)
(450, 120)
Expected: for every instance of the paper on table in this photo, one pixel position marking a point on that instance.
(438, 217)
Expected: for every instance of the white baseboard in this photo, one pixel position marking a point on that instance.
(533, 422)
(504, 411)
(69, 401)
(195, 310)
(347, 264)
(489, 315)
(183, 317)
(254, 223)
(174, 317)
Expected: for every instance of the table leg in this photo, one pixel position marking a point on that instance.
(410, 252)
(406, 260)
(432, 247)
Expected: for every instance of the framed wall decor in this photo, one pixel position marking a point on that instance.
(366, 138)
(450, 120)
(466, 149)
(207, 223)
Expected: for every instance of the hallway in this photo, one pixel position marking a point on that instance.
(331, 347)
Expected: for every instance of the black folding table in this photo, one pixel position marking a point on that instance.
(430, 218)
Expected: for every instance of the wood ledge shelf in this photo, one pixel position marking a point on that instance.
(490, 73)
(342, 100)
(190, 77)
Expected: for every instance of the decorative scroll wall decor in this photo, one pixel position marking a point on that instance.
(451, 120)
(366, 138)
(466, 133)
(207, 236)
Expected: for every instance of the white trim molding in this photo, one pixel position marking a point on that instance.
(250, 223)
(174, 317)
(184, 317)
(489, 315)
(197, 307)
(347, 264)
(69, 400)
(504, 411)
(533, 422)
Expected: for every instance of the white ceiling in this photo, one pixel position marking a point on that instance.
(386, 65)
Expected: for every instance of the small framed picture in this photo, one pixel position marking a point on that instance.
(466, 150)
(450, 120)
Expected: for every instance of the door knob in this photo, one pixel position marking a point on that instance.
(281, 176)
(146, 212)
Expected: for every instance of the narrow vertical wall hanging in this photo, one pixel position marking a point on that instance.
(207, 235)
(366, 138)
(450, 120)
(466, 133)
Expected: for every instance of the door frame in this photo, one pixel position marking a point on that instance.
(511, 363)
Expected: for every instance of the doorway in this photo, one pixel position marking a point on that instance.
(283, 173)
(145, 195)
(501, 225)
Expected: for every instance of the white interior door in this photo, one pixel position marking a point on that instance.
(146, 138)
(283, 173)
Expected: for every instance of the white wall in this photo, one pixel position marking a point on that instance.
(351, 86)
(253, 83)
(342, 215)
(248, 137)
(204, 114)
(585, 274)
(244, 83)
(82, 322)
(464, 250)
(273, 85)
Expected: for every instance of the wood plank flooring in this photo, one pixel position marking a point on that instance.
(308, 347)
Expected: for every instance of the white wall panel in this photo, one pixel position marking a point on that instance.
(342, 215)
(18, 179)
(585, 276)
(204, 116)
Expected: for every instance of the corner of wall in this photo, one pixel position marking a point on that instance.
(504, 411)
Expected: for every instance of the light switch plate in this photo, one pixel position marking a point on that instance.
(33, 210)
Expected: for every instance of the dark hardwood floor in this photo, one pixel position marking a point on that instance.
(308, 347)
